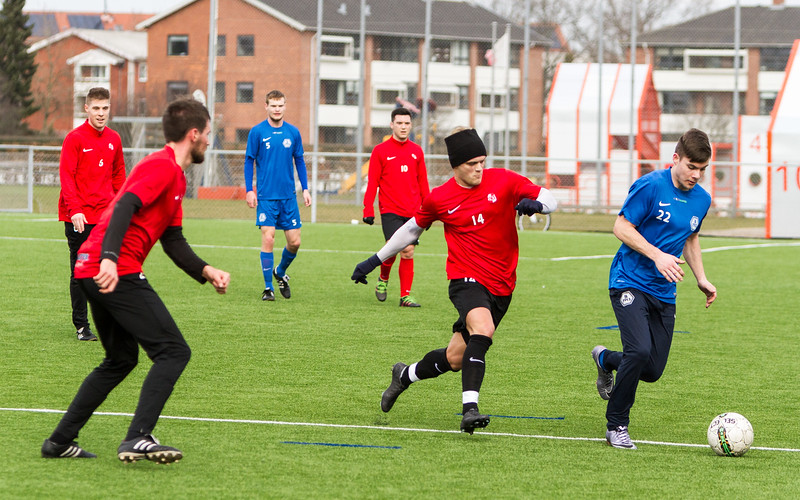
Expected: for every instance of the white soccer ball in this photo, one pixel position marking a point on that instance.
(730, 435)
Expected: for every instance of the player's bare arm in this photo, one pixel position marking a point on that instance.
(668, 265)
(692, 253)
(107, 278)
(218, 278)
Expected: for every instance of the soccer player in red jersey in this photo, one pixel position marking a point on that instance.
(127, 311)
(477, 208)
(397, 169)
(92, 169)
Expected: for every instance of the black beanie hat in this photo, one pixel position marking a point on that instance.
(464, 146)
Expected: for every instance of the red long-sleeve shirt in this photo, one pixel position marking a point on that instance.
(92, 170)
(398, 170)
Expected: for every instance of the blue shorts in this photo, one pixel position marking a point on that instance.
(280, 214)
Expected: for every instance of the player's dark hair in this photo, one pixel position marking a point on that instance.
(694, 145)
(401, 112)
(274, 94)
(98, 94)
(181, 116)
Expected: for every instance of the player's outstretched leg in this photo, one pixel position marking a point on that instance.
(396, 387)
(605, 379)
(473, 420)
(283, 285)
(148, 447)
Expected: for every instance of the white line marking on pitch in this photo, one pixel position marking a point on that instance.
(521, 257)
(385, 428)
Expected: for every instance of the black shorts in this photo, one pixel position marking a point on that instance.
(467, 294)
(391, 223)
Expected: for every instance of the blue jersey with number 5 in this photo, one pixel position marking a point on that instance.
(275, 152)
(666, 216)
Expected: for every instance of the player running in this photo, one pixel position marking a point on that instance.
(476, 207)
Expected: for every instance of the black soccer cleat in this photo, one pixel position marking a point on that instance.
(86, 334)
(473, 420)
(283, 285)
(268, 295)
(395, 388)
(70, 450)
(147, 447)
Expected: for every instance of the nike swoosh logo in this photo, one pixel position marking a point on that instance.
(664, 204)
(390, 158)
(449, 212)
(87, 150)
(477, 360)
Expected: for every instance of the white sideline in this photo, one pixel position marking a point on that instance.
(521, 257)
(387, 428)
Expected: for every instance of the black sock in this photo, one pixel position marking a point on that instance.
(473, 368)
(431, 365)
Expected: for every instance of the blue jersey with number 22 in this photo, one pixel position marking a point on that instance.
(666, 216)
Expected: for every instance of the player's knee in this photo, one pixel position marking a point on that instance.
(637, 357)
(651, 375)
(454, 360)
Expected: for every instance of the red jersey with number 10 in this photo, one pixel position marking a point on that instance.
(398, 170)
(480, 227)
(158, 181)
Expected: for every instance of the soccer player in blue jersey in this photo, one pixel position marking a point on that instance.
(659, 221)
(275, 149)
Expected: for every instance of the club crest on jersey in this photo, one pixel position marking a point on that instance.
(492, 198)
(110, 146)
(626, 299)
(287, 143)
(413, 156)
(694, 222)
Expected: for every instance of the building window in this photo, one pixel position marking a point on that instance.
(222, 44)
(463, 97)
(142, 71)
(396, 49)
(486, 101)
(513, 55)
(178, 45)
(440, 51)
(339, 92)
(675, 102)
(244, 91)
(443, 99)
(459, 53)
(337, 135)
(766, 101)
(177, 89)
(337, 46)
(483, 50)
(513, 99)
(387, 96)
(668, 58)
(774, 58)
(698, 59)
(241, 134)
(245, 45)
(219, 91)
(93, 72)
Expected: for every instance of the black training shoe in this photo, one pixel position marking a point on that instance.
(147, 447)
(268, 295)
(395, 388)
(283, 285)
(86, 334)
(70, 450)
(473, 420)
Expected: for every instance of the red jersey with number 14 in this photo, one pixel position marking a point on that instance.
(158, 181)
(480, 227)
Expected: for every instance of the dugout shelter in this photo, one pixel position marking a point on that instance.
(576, 134)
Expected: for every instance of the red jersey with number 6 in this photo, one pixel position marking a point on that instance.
(158, 181)
(480, 226)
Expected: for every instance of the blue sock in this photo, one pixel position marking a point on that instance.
(286, 260)
(266, 268)
(601, 360)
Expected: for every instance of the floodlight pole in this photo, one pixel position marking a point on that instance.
(524, 122)
(211, 85)
(737, 62)
(363, 66)
(424, 80)
(489, 159)
(631, 140)
(315, 130)
(599, 168)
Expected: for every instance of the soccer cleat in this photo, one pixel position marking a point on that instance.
(473, 420)
(86, 334)
(395, 388)
(408, 301)
(148, 447)
(283, 285)
(268, 295)
(70, 450)
(619, 438)
(605, 379)
(380, 290)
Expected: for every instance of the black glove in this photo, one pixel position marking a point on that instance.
(364, 268)
(369, 220)
(529, 207)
